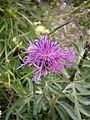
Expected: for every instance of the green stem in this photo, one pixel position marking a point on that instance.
(34, 89)
(53, 31)
(34, 98)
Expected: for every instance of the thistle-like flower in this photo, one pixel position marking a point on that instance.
(47, 55)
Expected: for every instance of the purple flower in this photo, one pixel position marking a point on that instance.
(47, 55)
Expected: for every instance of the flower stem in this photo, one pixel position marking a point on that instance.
(53, 31)
(34, 96)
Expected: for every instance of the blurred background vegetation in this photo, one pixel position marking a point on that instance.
(68, 22)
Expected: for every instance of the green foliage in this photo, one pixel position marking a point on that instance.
(54, 97)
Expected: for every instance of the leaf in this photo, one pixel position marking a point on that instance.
(2, 28)
(86, 63)
(61, 112)
(68, 109)
(54, 89)
(20, 102)
(18, 88)
(84, 111)
(82, 89)
(58, 85)
(83, 100)
(30, 84)
(65, 73)
(54, 115)
(77, 111)
(76, 47)
(37, 105)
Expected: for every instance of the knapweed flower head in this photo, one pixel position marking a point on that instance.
(47, 55)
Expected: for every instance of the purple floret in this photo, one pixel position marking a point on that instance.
(47, 55)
